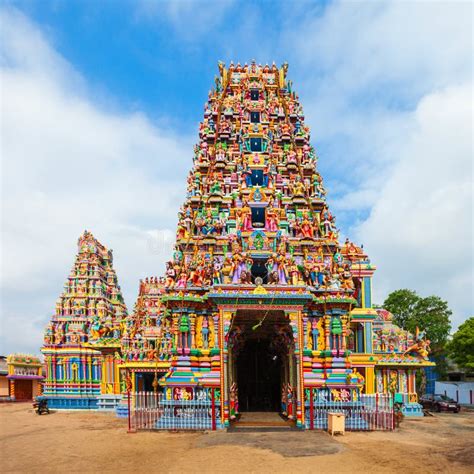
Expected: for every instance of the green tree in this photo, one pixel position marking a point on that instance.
(461, 347)
(430, 314)
(401, 304)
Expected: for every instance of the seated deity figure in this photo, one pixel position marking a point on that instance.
(298, 187)
(183, 279)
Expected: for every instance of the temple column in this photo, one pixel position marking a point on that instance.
(327, 331)
(344, 320)
(192, 318)
(369, 380)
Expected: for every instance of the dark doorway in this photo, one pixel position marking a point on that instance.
(258, 372)
(256, 144)
(259, 270)
(145, 381)
(255, 117)
(23, 389)
(254, 94)
(257, 178)
(258, 217)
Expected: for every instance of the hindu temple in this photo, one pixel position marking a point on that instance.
(260, 306)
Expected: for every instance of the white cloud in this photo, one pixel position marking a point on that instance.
(190, 19)
(69, 165)
(419, 231)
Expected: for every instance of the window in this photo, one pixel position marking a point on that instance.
(254, 95)
(255, 144)
(257, 178)
(258, 217)
(259, 269)
(255, 117)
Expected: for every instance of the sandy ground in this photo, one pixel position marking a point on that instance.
(93, 442)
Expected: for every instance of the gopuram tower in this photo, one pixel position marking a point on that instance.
(258, 274)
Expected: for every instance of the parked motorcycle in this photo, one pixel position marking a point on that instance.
(41, 406)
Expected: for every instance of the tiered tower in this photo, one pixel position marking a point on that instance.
(85, 331)
(256, 252)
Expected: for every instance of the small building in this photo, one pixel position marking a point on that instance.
(4, 388)
(24, 376)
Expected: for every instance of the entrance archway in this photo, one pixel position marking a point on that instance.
(258, 374)
(261, 364)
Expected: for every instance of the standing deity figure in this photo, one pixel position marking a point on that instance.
(315, 333)
(281, 268)
(272, 221)
(217, 272)
(294, 273)
(289, 402)
(233, 401)
(205, 333)
(183, 279)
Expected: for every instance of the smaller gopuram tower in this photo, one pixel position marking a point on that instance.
(84, 333)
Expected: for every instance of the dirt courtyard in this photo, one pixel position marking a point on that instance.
(96, 442)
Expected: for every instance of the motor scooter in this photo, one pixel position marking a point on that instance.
(41, 406)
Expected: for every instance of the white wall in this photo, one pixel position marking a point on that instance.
(463, 392)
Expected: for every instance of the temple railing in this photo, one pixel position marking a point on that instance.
(372, 412)
(157, 411)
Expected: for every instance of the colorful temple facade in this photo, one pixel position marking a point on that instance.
(260, 304)
(85, 333)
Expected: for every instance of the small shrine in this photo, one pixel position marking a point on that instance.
(85, 332)
(24, 377)
(260, 307)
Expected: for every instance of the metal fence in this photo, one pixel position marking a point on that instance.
(362, 412)
(197, 409)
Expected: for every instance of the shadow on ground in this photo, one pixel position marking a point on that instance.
(288, 444)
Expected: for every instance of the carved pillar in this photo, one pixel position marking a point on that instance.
(192, 321)
(327, 331)
(306, 333)
(344, 321)
(215, 319)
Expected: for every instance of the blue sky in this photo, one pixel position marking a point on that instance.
(100, 107)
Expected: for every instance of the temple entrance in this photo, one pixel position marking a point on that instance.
(258, 371)
(144, 380)
(23, 389)
(261, 366)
